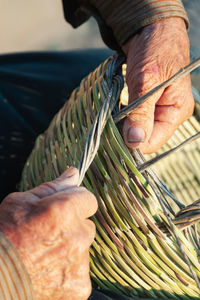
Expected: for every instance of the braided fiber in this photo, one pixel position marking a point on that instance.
(135, 252)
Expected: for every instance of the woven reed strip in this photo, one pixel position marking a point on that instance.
(180, 74)
(181, 172)
(149, 163)
(137, 258)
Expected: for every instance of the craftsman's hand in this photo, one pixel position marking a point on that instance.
(154, 55)
(49, 227)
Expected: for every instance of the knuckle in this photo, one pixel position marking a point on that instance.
(143, 113)
(65, 206)
(51, 208)
(55, 209)
(17, 198)
(143, 76)
(82, 189)
(49, 186)
(191, 107)
(145, 79)
(92, 230)
(92, 199)
(187, 109)
(88, 289)
(189, 113)
(44, 189)
(86, 235)
(14, 196)
(94, 202)
(75, 281)
(84, 290)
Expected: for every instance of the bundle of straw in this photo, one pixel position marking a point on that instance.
(138, 249)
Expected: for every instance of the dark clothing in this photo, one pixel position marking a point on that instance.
(120, 19)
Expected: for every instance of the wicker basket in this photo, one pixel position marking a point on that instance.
(147, 240)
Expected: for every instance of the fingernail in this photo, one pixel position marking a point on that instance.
(135, 135)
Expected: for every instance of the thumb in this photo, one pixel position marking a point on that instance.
(138, 126)
(68, 179)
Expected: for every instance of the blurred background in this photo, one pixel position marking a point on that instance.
(40, 25)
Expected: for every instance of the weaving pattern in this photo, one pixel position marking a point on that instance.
(135, 252)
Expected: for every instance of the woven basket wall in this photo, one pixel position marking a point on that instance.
(135, 251)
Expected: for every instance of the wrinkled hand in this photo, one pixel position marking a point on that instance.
(49, 227)
(154, 55)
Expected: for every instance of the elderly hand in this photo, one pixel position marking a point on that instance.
(154, 55)
(49, 227)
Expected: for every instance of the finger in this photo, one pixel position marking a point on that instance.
(179, 94)
(83, 278)
(66, 207)
(167, 119)
(138, 126)
(68, 179)
(162, 131)
(91, 228)
(76, 200)
(78, 277)
(81, 237)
